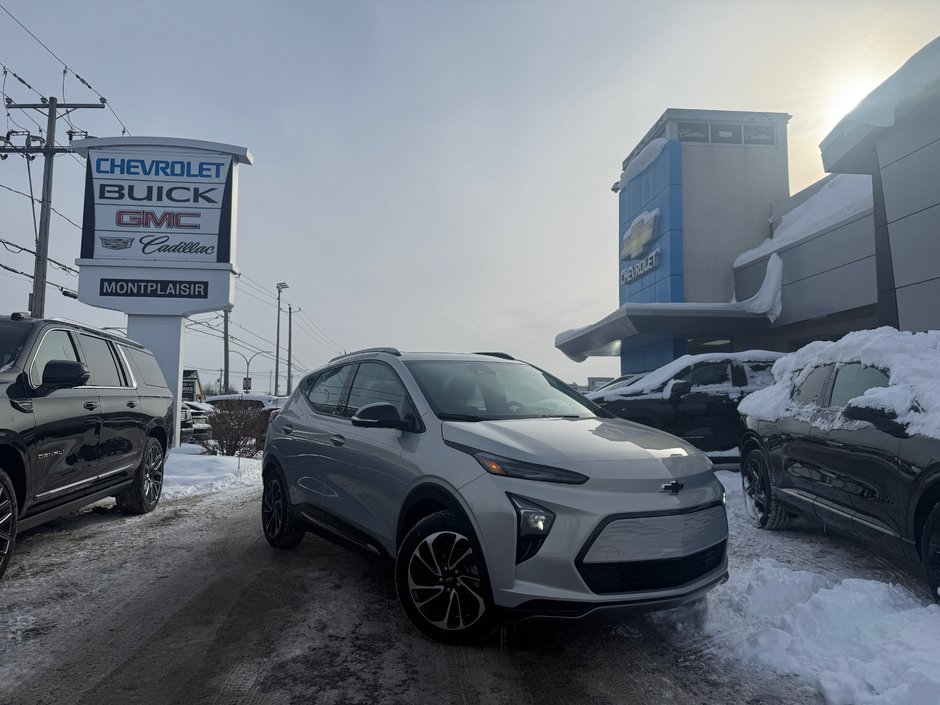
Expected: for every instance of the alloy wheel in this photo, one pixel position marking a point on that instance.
(444, 581)
(272, 507)
(6, 523)
(153, 474)
(755, 497)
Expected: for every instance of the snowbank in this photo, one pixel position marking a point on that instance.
(843, 196)
(189, 472)
(910, 359)
(859, 642)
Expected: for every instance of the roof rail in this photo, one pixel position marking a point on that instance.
(504, 356)
(111, 332)
(391, 351)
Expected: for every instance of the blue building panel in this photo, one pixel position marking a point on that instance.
(655, 257)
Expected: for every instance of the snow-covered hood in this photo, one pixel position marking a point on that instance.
(579, 443)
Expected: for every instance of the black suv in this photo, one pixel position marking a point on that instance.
(87, 415)
(694, 397)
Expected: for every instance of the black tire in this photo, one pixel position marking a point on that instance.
(8, 516)
(760, 500)
(446, 598)
(280, 528)
(930, 552)
(143, 495)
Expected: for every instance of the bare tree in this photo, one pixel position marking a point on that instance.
(237, 430)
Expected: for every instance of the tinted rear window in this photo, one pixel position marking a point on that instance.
(12, 337)
(146, 365)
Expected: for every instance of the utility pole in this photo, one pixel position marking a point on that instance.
(225, 348)
(277, 343)
(37, 303)
(290, 328)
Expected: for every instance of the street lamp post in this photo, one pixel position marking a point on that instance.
(277, 343)
(248, 361)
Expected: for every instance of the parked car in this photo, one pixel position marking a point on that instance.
(186, 424)
(266, 406)
(694, 397)
(87, 415)
(200, 411)
(495, 487)
(849, 434)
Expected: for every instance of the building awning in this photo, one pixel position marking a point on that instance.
(680, 320)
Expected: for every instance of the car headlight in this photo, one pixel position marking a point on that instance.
(507, 467)
(534, 523)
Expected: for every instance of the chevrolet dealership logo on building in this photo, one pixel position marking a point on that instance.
(639, 234)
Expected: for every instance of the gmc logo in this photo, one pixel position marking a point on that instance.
(149, 219)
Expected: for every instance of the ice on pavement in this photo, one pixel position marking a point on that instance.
(189, 471)
(859, 642)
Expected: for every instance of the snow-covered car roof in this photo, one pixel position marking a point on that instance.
(658, 377)
(269, 400)
(911, 361)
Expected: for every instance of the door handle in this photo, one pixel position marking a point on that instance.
(132, 404)
(337, 440)
(287, 428)
(90, 405)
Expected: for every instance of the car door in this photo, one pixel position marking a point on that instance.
(366, 476)
(858, 462)
(788, 440)
(308, 433)
(707, 417)
(65, 443)
(121, 437)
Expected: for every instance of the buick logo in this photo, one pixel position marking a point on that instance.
(116, 243)
(673, 487)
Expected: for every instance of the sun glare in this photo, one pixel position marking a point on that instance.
(845, 96)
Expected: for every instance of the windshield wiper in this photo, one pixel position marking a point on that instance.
(461, 417)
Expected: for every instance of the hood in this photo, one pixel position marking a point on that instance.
(593, 446)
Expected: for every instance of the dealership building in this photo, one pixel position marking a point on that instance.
(715, 254)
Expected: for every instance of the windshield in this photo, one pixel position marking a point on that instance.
(12, 336)
(474, 390)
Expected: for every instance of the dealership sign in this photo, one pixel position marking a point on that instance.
(158, 232)
(635, 260)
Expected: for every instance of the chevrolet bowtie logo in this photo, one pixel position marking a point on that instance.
(673, 487)
(641, 231)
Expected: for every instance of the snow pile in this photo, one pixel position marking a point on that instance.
(861, 641)
(189, 472)
(642, 160)
(840, 198)
(910, 359)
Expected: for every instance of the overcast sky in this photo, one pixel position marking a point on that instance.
(430, 175)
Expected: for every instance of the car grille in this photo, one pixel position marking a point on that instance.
(641, 576)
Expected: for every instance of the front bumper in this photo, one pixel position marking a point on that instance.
(606, 549)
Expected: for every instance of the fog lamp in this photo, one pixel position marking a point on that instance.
(534, 523)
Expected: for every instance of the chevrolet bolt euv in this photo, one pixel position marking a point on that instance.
(499, 492)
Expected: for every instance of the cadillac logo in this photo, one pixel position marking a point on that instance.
(116, 243)
(638, 235)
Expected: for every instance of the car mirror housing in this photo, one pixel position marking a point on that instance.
(63, 374)
(381, 415)
(680, 388)
(882, 419)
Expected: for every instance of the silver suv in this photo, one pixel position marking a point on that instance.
(498, 490)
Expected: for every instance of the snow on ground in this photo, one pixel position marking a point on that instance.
(857, 641)
(189, 472)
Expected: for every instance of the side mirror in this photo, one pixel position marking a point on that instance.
(882, 419)
(63, 374)
(680, 388)
(381, 415)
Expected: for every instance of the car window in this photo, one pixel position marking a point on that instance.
(809, 391)
(759, 374)
(12, 337)
(101, 362)
(853, 381)
(709, 374)
(147, 366)
(375, 382)
(325, 391)
(55, 345)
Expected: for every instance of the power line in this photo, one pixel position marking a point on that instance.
(65, 292)
(34, 200)
(104, 101)
(16, 249)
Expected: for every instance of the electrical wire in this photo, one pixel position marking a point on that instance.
(17, 249)
(124, 130)
(61, 215)
(65, 291)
